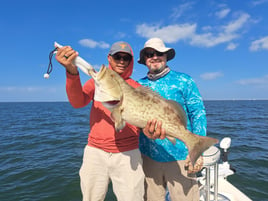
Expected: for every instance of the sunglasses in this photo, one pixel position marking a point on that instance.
(118, 57)
(150, 54)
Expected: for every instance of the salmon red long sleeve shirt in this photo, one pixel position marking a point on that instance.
(102, 131)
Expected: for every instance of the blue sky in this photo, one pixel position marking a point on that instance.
(223, 45)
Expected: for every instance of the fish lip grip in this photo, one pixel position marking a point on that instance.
(79, 62)
(84, 66)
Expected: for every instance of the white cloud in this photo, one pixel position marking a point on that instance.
(210, 40)
(237, 24)
(254, 81)
(32, 93)
(226, 34)
(259, 2)
(177, 32)
(207, 28)
(169, 34)
(179, 11)
(120, 35)
(211, 75)
(26, 89)
(259, 44)
(231, 46)
(93, 44)
(223, 13)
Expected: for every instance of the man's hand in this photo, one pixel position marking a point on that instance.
(154, 130)
(197, 166)
(65, 57)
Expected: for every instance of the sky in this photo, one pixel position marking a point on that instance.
(222, 44)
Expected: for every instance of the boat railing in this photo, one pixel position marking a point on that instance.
(212, 171)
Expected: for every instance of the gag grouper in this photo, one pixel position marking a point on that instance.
(139, 105)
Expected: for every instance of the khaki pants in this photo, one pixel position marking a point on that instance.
(123, 169)
(160, 176)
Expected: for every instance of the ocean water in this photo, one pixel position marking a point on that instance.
(41, 148)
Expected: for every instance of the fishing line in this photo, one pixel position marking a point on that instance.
(50, 66)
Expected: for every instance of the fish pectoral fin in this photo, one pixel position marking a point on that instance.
(119, 125)
(172, 140)
(116, 116)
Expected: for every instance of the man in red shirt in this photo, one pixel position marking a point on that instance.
(109, 155)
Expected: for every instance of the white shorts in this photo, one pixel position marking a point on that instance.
(123, 169)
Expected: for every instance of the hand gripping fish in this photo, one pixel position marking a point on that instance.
(139, 105)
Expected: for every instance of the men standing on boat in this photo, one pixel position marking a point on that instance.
(109, 155)
(167, 166)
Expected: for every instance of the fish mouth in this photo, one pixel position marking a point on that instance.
(115, 102)
(97, 75)
(101, 72)
(111, 104)
(107, 89)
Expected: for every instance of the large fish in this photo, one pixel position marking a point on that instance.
(139, 105)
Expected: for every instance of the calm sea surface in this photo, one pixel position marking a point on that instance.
(41, 147)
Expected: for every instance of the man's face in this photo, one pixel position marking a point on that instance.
(119, 61)
(154, 60)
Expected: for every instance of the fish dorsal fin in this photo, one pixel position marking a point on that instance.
(179, 110)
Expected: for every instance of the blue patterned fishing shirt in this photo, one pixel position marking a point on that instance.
(181, 88)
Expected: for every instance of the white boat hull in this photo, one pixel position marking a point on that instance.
(226, 192)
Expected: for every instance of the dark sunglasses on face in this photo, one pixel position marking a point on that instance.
(118, 57)
(151, 54)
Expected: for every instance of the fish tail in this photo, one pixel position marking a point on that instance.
(201, 144)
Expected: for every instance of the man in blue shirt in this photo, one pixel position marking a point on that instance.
(167, 166)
